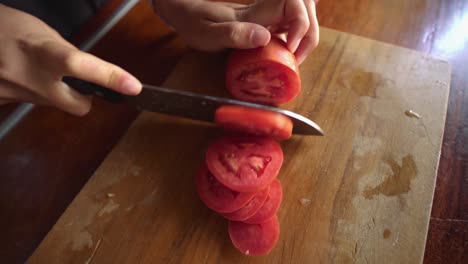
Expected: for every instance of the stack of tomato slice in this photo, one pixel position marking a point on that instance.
(239, 177)
(239, 181)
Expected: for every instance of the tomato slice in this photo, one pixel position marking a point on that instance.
(265, 75)
(244, 163)
(250, 208)
(217, 196)
(254, 239)
(254, 121)
(271, 205)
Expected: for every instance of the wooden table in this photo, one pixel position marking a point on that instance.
(49, 144)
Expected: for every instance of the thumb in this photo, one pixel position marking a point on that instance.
(240, 35)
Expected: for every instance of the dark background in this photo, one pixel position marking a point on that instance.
(65, 16)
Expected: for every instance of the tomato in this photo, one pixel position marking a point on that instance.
(254, 121)
(217, 196)
(265, 75)
(254, 239)
(271, 205)
(244, 163)
(250, 208)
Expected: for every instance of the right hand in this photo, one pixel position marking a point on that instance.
(34, 58)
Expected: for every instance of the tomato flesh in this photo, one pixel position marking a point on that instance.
(254, 121)
(265, 75)
(217, 196)
(254, 239)
(271, 205)
(250, 208)
(244, 163)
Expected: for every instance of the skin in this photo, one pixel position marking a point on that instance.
(34, 57)
(230, 25)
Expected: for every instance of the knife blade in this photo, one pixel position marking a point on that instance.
(186, 104)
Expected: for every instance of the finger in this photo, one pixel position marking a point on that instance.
(15, 93)
(58, 95)
(311, 39)
(279, 29)
(265, 13)
(233, 5)
(220, 11)
(304, 49)
(299, 23)
(85, 66)
(235, 35)
(90, 68)
(67, 99)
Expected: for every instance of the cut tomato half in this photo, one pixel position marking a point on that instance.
(250, 208)
(254, 121)
(254, 239)
(244, 163)
(217, 196)
(265, 75)
(271, 205)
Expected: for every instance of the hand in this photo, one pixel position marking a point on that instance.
(213, 26)
(34, 58)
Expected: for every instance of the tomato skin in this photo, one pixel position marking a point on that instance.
(244, 163)
(271, 205)
(271, 69)
(216, 196)
(254, 121)
(254, 239)
(251, 208)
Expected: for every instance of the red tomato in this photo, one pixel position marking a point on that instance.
(254, 239)
(250, 208)
(271, 205)
(254, 121)
(217, 196)
(244, 163)
(265, 75)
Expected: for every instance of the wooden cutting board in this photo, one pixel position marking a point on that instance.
(366, 187)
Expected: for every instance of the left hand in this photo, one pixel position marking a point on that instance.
(213, 26)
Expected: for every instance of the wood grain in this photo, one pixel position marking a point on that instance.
(437, 28)
(432, 26)
(445, 232)
(371, 188)
(50, 155)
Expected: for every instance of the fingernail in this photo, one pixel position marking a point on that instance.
(130, 85)
(259, 37)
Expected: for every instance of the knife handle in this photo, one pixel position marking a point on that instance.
(88, 88)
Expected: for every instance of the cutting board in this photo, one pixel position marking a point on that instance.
(360, 194)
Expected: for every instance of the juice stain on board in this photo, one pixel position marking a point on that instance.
(397, 183)
(386, 233)
(363, 83)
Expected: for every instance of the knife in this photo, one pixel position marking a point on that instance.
(185, 104)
